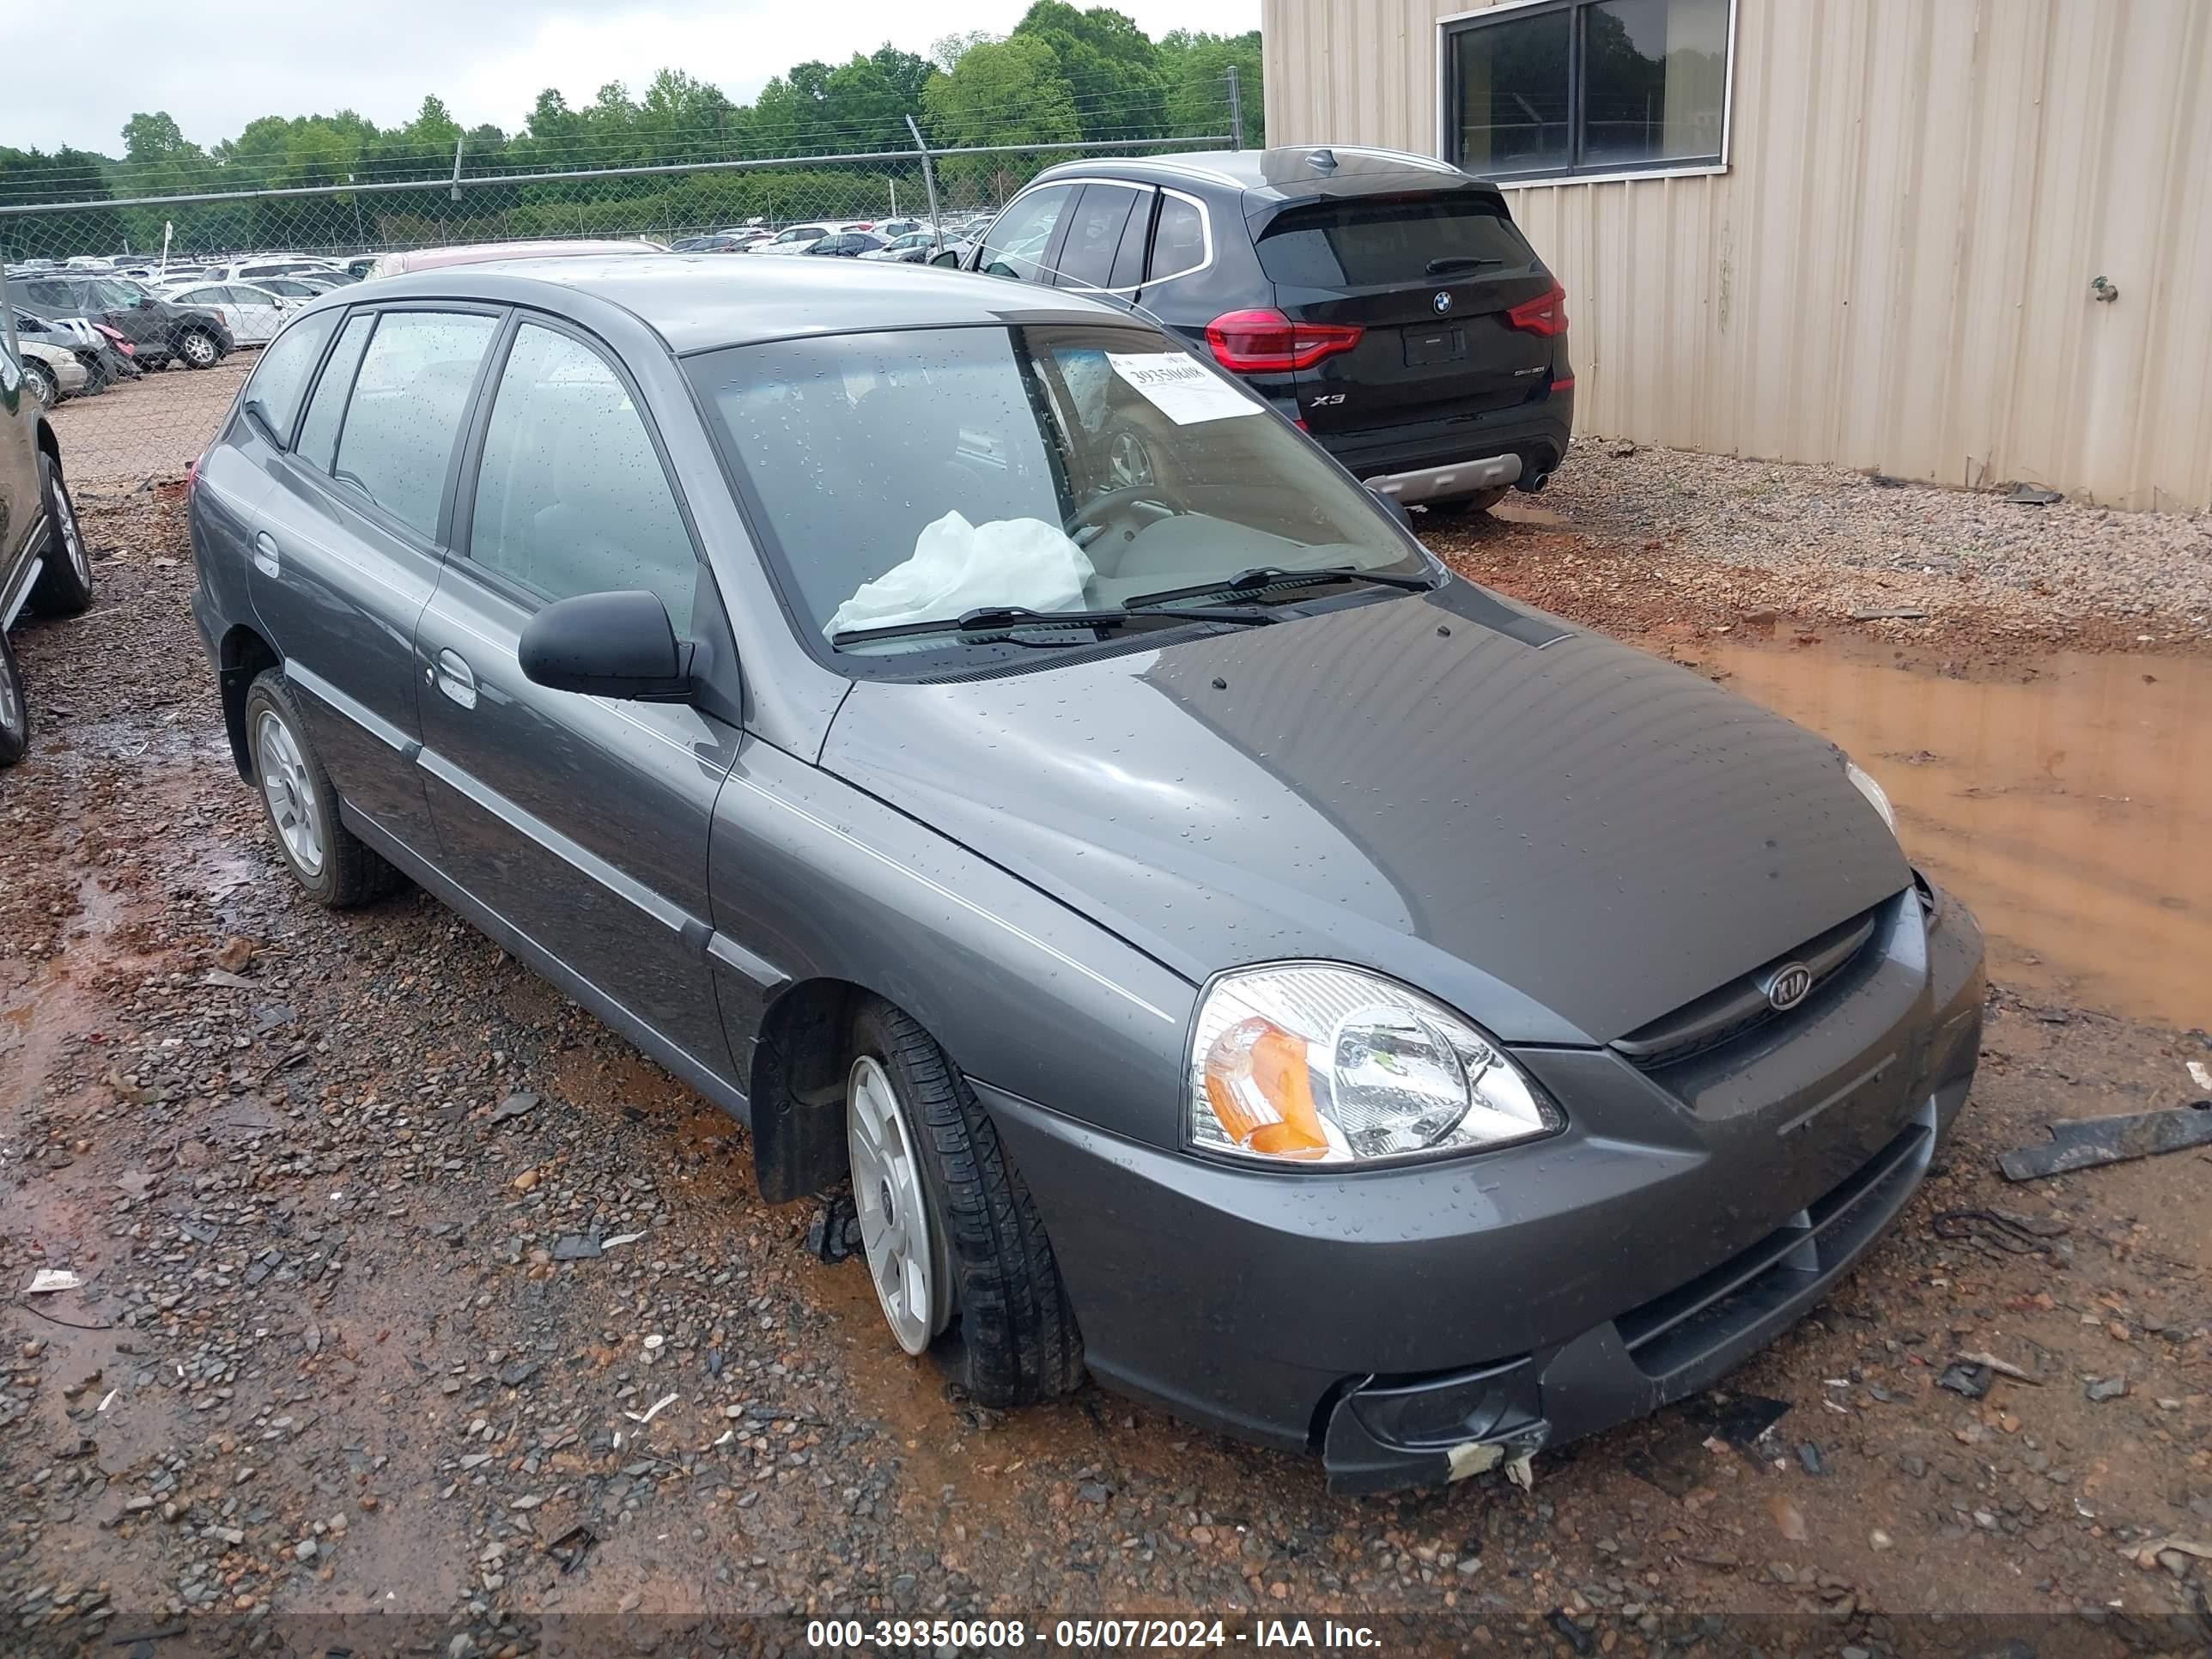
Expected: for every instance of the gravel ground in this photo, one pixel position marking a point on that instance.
(152, 428)
(1652, 539)
(410, 1290)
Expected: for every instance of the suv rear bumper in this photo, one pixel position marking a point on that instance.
(1532, 437)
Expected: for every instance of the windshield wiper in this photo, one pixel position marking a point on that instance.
(1438, 267)
(986, 619)
(1274, 575)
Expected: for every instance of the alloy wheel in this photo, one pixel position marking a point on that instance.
(887, 1192)
(289, 792)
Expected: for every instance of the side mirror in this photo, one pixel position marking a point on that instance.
(1392, 505)
(607, 645)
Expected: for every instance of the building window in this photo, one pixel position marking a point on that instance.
(1563, 87)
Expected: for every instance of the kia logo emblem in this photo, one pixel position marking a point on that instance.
(1791, 984)
(1443, 303)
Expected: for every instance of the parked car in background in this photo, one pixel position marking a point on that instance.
(847, 245)
(720, 241)
(476, 253)
(913, 247)
(44, 562)
(794, 239)
(52, 372)
(1387, 301)
(257, 266)
(94, 353)
(1373, 1016)
(158, 331)
(252, 313)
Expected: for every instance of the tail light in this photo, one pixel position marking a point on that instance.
(1268, 343)
(1543, 316)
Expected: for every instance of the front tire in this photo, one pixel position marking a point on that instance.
(15, 708)
(335, 867)
(198, 349)
(45, 388)
(65, 586)
(954, 1244)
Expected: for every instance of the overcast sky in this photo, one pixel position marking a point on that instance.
(487, 58)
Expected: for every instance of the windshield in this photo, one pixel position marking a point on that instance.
(931, 473)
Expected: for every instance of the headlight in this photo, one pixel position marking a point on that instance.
(1309, 1063)
(1864, 783)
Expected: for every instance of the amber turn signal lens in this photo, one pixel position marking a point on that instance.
(1257, 1085)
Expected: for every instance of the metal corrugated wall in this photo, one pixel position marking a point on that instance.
(1894, 271)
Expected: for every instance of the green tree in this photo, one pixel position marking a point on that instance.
(1111, 67)
(1196, 68)
(1007, 92)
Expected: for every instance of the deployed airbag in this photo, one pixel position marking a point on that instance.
(957, 567)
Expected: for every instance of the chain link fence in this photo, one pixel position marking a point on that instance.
(81, 272)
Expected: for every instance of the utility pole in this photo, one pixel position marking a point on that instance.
(1236, 111)
(929, 183)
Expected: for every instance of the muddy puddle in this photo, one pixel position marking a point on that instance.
(2068, 798)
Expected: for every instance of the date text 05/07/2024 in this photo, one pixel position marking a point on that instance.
(1088, 1634)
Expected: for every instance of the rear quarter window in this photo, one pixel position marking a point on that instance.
(1381, 243)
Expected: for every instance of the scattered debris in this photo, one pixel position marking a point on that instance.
(652, 1411)
(223, 979)
(1809, 1458)
(237, 954)
(2201, 1075)
(834, 1232)
(514, 1106)
(1890, 613)
(135, 1183)
(47, 1281)
(570, 1548)
(620, 1238)
(2001, 1367)
(2008, 1231)
(1971, 1381)
(1522, 1471)
(2087, 1143)
(2025, 495)
(2101, 1389)
(2147, 1554)
(1788, 1519)
(105, 1400)
(576, 1246)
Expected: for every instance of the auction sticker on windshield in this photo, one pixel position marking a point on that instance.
(1184, 390)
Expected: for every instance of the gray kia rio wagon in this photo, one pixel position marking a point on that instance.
(990, 752)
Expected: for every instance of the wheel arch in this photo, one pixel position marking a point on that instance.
(242, 656)
(50, 445)
(796, 1088)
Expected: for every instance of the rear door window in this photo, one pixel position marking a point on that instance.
(280, 379)
(397, 444)
(1392, 242)
(318, 433)
(1094, 233)
(1178, 239)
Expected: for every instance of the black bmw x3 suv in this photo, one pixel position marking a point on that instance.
(1386, 302)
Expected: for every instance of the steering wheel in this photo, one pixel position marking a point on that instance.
(1103, 506)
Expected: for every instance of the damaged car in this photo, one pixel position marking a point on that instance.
(985, 747)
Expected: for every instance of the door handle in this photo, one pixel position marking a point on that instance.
(451, 675)
(266, 559)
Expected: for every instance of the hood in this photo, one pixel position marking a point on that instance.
(1565, 841)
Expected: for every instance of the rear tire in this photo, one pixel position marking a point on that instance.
(14, 709)
(1465, 507)
(198, 349)
(65, 586)
(334, 865)
(1009, 1334)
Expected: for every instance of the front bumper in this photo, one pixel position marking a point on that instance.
(1419, 1323)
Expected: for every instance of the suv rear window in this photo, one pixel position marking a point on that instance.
(1378, 242)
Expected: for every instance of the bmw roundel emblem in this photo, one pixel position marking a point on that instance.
(1442, 302)
(1790, 985)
